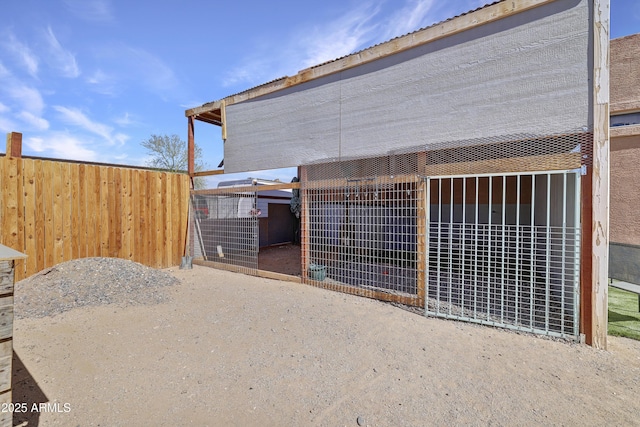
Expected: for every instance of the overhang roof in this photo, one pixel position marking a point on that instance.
(212, 112)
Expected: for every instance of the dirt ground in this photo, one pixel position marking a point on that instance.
(229, 349)
(283, 259)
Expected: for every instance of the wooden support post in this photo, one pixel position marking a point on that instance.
(586, 281)
(600, 190)
(305, 250)
(14, 144)
(223, 119)
(190, 147)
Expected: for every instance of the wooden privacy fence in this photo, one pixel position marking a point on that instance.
(56, 211)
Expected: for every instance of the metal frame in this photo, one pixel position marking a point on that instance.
(514, 269)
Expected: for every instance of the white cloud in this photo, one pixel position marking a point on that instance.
(341, 37)
(356, 29)
(152, 71)
(24, 56)
(91, 10)
(7, 125)
(62, 145)
(75, 117)
(34, 121)
(3, 108)
(125, 120)
(413, 16)
(134, 65)
(29, 98)
(102, 83)
(60, 58)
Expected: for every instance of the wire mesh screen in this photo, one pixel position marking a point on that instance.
(362, 236)
(504, 154)
(504, 250)
(225, 228)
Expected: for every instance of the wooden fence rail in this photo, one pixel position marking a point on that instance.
(56, 211)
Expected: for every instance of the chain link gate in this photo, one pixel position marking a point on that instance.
(504, 250)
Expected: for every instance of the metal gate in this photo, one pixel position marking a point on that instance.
(503, 250)
(225, 228)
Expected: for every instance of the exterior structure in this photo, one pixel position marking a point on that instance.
(462, 167)
(8, 257)
(625, 158)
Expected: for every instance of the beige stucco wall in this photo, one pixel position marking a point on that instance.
(625, 74)
(624, 210)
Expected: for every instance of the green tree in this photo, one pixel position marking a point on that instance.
(171, 153)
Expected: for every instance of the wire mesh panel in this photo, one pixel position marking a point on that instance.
(505, 249)
(225, 228)
(362, 236)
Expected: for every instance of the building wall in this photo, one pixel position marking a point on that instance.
(524, 74)
(624, 213)
(625, 74)
(625, 190)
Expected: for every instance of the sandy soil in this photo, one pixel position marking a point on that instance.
(230, 349)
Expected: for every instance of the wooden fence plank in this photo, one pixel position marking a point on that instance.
(40, 220)
(58, 217)
(74, 176)
(67, 212)
(163, 243)
(3, 167)
(115, 214)
(103, 221)
(47, 204)
(174, 246)
(136, 219)
(125, 232)
(145, 222)
(94, 205)
(81, 215)
(159, 224)
(30, 223)
(15, 213)
(151, 215)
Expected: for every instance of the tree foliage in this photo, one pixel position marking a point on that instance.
(170, 153)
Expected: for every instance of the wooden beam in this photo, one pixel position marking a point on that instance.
(485, 15)
(236, 269)
(600, 191)
(208, 173)
(223, 119)
(14, 144)
(249, 188)
(514, 164)
(190, 147)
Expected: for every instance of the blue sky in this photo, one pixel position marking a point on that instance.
(90, 79)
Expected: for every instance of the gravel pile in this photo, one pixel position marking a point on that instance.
(90, 282)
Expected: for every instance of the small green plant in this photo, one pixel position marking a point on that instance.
(624, 319)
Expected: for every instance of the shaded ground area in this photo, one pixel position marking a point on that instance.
(229, 349)
(283, 259)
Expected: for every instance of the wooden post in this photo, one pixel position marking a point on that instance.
(7, 281)
(600, 191)
(191, 147)
(305, 249)
(14, 144)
